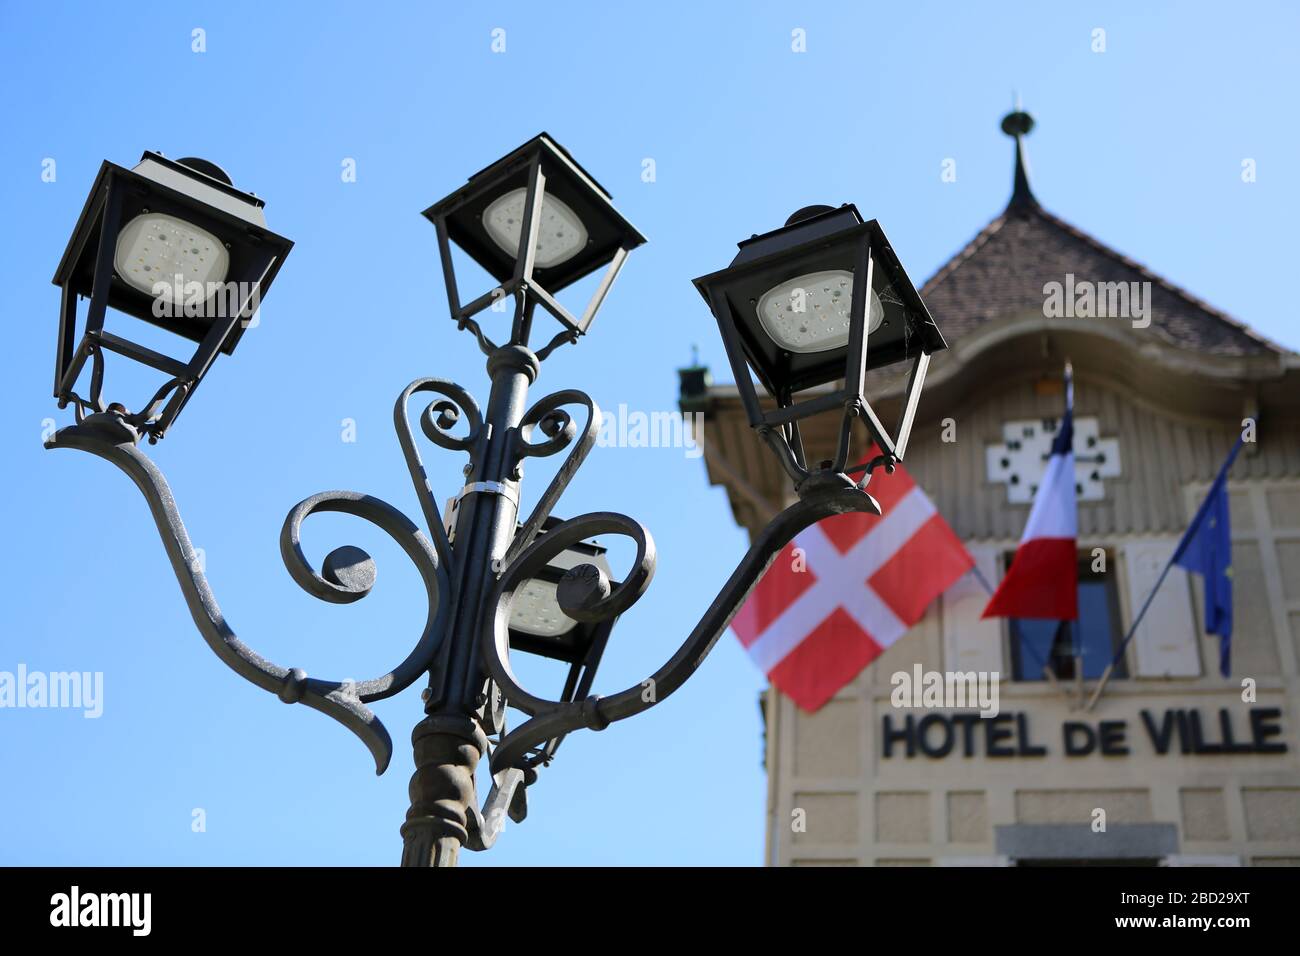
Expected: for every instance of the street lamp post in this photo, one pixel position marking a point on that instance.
(498, 583)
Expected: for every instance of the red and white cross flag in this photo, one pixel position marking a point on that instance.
(847, 588)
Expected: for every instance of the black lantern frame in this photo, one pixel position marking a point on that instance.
(819, 239)
(200, 194)
(541, 167)
(581, 646)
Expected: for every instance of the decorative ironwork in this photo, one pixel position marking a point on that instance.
(444, 813)
(437, 420)
(585, 594)
(474, 559)
(348, 575)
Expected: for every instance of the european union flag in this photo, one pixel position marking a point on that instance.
(1206, 549)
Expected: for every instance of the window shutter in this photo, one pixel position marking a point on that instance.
(970, 644)
(1166, 643)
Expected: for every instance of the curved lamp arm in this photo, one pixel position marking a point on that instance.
(586, 594)
(507, 797)
(349, 575)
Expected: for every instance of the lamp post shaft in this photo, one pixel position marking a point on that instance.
(449, 742)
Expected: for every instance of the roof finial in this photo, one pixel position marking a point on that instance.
(1018, 123)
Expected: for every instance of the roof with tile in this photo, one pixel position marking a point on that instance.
(1002, 271)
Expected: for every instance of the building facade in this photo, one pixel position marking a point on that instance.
(1175, 764)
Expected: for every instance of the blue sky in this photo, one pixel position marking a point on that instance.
(1142, 145)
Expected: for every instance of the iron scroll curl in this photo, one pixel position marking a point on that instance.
(549, 416)
(437, 420)
(344, 701)
(585, 594)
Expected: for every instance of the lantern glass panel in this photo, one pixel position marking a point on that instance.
(560, 236)
(156, 248)
(810, 313)
(535, 610)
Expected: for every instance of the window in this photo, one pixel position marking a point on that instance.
(1093, 638)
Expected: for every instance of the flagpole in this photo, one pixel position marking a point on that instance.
(1105, 677)
(1196, 520)
(1076, 640)
(1076, 653)
(1047, 671)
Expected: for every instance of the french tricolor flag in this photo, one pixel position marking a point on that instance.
(1043, 580)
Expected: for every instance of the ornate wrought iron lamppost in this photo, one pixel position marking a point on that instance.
(498, 583)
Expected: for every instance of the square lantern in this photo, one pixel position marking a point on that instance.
(538, 626)
(791, 308)
(172, 243)
(536, 221)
